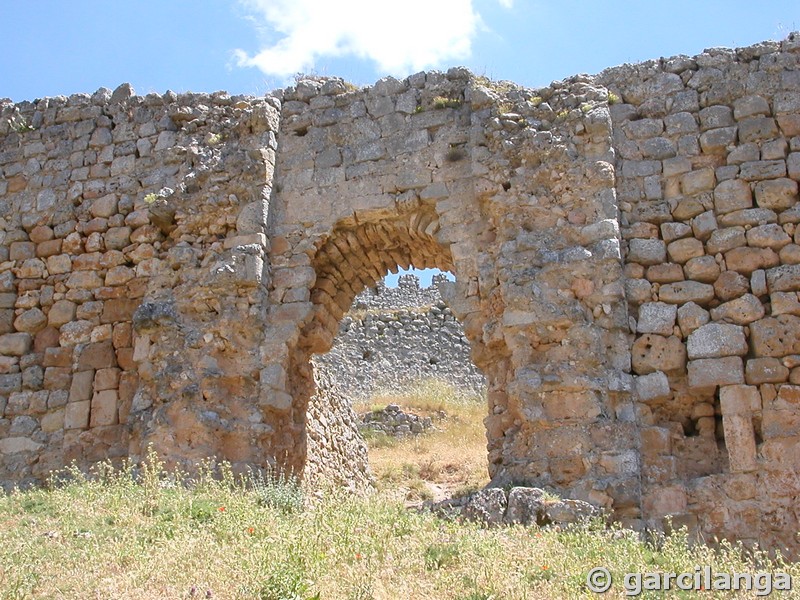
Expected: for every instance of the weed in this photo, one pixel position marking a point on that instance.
(563, 114)
(440, 556)
(151, 198)
(536, 101)
(441, 102)
(20, 124)
(613, 98)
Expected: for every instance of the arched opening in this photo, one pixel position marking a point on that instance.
(353, 258)
(401, 360)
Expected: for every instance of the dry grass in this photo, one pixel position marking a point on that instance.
(451, 460)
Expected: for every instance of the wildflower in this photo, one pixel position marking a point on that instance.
(221, 509)
(251, 530)
(358, 556)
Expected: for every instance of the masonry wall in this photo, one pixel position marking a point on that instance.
(624, 246)
(708, 163)
(394, 338)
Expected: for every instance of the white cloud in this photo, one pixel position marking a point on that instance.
(399, 37)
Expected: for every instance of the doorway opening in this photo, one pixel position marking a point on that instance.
(402, 361)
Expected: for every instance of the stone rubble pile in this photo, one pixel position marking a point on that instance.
(395, 422)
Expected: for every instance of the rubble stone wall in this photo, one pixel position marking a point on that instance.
(624, 247)
(394, 338)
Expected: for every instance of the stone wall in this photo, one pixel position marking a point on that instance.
(393, 338)
(624, 249)
(708, 163)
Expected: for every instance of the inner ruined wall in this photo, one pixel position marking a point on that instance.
(393, 339)
(708, 160)
(133, 280)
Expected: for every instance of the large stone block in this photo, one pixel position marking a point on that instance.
(76, 415)
(104, 408)
(656, 317)
(653, 387)
(654, 352)
(740, 442)
(741, 311)
(15, 344)
(775, 336)
(705, 374)
(686, 291)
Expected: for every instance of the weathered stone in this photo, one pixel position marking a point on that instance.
(103, 408)
(76, 415)
(731, 195)
(656, 317)
(486, 506)
(653, 387)
(783, 279)
(777, 194)
(765, 370)
(770, 235)
(715, 340)
(722, 240)
(31, 321)
(15, 344)
(691, 316)
(682, 250)
(686, 291)
(730, 285)
(654, 352)
(741, 311)
(775, 336)
(706, 373)
(746, 260)
(702, 268)
(647, 252)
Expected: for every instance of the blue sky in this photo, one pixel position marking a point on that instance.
(254, 46)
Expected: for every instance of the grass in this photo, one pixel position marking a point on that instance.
(142, 533)
(124, 537)
(451, 460)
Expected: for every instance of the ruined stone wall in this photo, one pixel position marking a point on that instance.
(624, 246)
(393, 338)
(708, 163)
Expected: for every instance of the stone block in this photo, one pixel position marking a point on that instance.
(31, 321)
(106, 379)
(15, 344)
(785, 278)
(686, 291)
(691, 316)
(702, 268)
(695, 182)
(647, 251)
(784, 303)
(57, 357)
(656, 317)
(57, 378)
(740, 442)
(763, 169)
(716, 340)
(665, 501)
(14, 445)
(777, 194)
(731, 195)
(746, 260)
(757, 129)
(53, 420)
(730, 285)
(62, 311)
(82, 386)
(769, 235)
(99, 355)
(706, 373)
(76, 415)
(775, 336)
(765, 370)
(653, 387)
(741, 311)
(120, 309)
(104, 408)
(704, 224)
(739, 400)
(684, 249)
(652, 352)
(666, 273)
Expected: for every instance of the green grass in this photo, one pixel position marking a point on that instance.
(113, 536)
